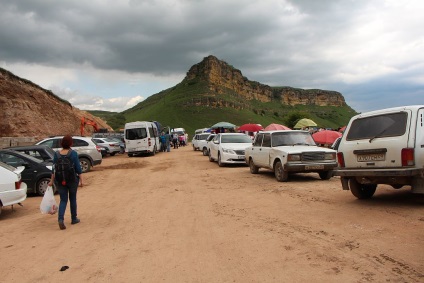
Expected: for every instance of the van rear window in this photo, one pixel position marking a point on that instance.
(387, 125)
(135, 134)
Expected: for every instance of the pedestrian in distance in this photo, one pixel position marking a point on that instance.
(67, 177)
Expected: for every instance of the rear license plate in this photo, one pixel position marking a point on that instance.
(240, 157)
(314, 167)
(371, 157)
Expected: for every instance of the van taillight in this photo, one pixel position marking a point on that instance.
(18, 185)
(407, 157)
(150, 142)
(340, 159)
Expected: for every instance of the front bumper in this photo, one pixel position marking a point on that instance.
(309, 167)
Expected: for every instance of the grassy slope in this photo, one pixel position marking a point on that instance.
(170, 108)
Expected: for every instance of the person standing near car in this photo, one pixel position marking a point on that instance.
(68, 189)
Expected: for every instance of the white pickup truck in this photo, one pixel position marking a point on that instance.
(289, 151)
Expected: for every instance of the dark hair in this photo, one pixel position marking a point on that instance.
(66, 142)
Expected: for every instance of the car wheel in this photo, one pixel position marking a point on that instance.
(253, 168)
(280, 174)
(210, 157)
(112, 153)
(361, 191)
(85, 164)
(41, 187)
(194, 148)
(325, 175)
(220, 164)
(154, 151)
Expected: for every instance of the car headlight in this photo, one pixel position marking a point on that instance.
(330, 156)
(228, 151)
(293, 157)
(50, 167)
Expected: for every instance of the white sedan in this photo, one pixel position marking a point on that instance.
(12, 189)
(229, 148)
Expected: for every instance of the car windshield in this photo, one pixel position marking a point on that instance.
(109, 140)
(388, 125)
(292, 138)
(235, 139)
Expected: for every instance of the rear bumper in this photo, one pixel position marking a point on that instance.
(14, 196)
(393, 172)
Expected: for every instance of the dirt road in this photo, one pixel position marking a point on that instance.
(176, 217)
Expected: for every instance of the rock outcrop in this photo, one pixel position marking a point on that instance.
(27, 110)
(223, 78)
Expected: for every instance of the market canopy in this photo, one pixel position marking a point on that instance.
(326, 136)
(224, 125)
(276, 127)
(250, 128)
(302, 123)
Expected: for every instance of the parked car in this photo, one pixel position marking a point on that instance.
(289, 151)
(12, 189)
(206, 148)
(199, 141)
(41, 152)
(229, 148)
(121, 142)
(104, 150)
(88, 152)
(112, 145)
(383, 147)
(37, 173)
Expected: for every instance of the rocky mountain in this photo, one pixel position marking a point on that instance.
(214, 91)
(28, 110)
(222, 78)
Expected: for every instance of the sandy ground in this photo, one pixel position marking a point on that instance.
(176, 217)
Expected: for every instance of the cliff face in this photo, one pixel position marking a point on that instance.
(27, 110)
(222, 78)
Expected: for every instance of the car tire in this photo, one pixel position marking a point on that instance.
(85, 164)
(194, 148)
(205, 151)
(280, 174)
(210, 157)
(112, 153)
(41, 186)
(220, 164)
(253, 168)
(130, 155)
(154, 151)
(361, 191)
(325, 175)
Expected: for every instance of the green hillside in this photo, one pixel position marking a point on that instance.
(174, 107)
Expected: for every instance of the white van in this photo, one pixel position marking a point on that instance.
(383, 147)
(141, 138)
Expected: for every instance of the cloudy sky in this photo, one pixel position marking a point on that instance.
(112, 54)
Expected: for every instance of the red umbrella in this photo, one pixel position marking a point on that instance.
(342, 129)
(250, 128)
(273, 127)
(326, 136)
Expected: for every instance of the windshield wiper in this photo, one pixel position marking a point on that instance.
(378, 135)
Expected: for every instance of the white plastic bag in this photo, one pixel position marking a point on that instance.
(48, 203)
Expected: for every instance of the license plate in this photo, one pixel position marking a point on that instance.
(240, 157)
(371, 157)
(314, 167)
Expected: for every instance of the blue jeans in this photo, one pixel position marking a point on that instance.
(69, 191)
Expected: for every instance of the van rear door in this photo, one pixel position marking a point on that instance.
(136, 139)
(377, 140)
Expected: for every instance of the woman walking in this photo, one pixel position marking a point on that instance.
(67, 176)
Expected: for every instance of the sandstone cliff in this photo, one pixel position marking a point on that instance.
(27, 110)
(223, 78)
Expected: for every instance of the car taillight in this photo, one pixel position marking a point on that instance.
(18, 185)
(340, 159)
(407, 157)
(99, 149)
(150, 142)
